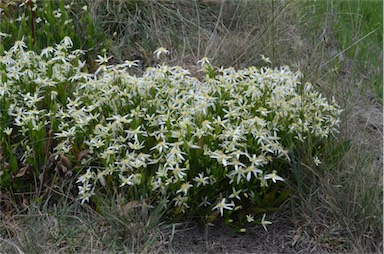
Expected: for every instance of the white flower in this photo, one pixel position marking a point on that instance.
(127, 180)
(160, 51)
(184, 188)
(252, 170)
(175, 153)
(19, 45)
(273, 176)
(178, 172)
(85, 178)
(235, 194)
(204, 61)
(239, 172)
(265, 59)
(57, 13)
(264, 222)
(67, 41)
(181, 201)
(4, 35)
(85, 192)
(136, 145)
(130, 64)
(316, 160)
(256, 160)
(201, 180)
(47, 51)
(8, 131)
(220, 157)
(222, 205)
(103, 59)
(250, 218)
(161, 146)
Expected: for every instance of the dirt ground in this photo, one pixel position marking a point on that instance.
(282, 237)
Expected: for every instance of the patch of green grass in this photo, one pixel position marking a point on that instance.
(363, 26)
(354, 30)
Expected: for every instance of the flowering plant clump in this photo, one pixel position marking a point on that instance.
(217, 145)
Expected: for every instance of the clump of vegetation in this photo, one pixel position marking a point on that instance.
(220, 144)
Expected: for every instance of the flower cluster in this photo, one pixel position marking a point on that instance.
(206, 144)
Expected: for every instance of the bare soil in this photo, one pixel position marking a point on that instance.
(282, 237)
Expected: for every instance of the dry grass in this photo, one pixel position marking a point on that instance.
(72, 228)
